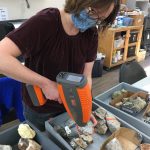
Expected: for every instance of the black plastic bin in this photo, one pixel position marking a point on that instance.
(5, 28)
(146, 37)
(131, 51)
(133, 36)
(11, 137)
(147, 23)
(98, 68)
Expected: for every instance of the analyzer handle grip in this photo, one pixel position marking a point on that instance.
(36, 95)
(79, 108)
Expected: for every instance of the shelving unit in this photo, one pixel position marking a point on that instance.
(132, 44)
(106, 44)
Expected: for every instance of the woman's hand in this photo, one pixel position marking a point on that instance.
(93, 119)
(50, 91)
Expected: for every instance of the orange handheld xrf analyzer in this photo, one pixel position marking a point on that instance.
(75, 94)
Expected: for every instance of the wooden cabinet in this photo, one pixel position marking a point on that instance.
(129, 48)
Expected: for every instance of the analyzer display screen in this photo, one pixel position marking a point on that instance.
(74, 78)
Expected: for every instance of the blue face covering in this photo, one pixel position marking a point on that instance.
(83, 21)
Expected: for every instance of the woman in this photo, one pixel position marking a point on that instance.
(52, 41)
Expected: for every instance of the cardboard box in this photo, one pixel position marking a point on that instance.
(128, 138)
(145, 146)
(138, 20)
(145, 113)
(141, 55)
(143, 95)
(147, 109)
(129, 94)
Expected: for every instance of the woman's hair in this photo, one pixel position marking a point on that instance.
(76, 6)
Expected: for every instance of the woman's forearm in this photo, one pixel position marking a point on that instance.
(89, 81)
(11, 67)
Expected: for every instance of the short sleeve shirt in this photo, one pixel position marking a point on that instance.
(48, 50)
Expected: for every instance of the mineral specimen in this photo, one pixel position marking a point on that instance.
(136, 104)
(87, 138)
(87, 130)
(112, 122)
(100, 113)
(114, 144)
(79, 148)
(73, 144)
(26, 132)
(27, 144)
(81, 143)
(5, 147)
(23, 144)
(101, 127)
(61, 131)
(148, 113)
(118, 93)
(118, 105)
(147, 119)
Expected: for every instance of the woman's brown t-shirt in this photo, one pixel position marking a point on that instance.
(48, 50)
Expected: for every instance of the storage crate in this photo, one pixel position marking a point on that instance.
(131, 51)
(133, 36)
(146, 37)
(145, 114)
(146, 23)
(98, 139)
(127, 21)
(97, 70)
(136, 121)
(138, 19)
(11, 137)
(141, 55)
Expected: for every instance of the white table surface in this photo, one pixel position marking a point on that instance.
(143, 84)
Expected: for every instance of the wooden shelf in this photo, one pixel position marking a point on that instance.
(132, 44)
(131, 58)
(142, 0)
(106, 44)
(118, 63)
(118, 48)
(120, 29)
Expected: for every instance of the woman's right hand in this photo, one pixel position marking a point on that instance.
(50, 91)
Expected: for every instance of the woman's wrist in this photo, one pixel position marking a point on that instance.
(43, 82)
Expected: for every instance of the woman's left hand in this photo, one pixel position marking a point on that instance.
(93, 119)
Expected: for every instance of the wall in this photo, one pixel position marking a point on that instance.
(17, 9)
(142, 4)
(131, 4)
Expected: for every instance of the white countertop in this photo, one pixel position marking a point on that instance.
(143, 84)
